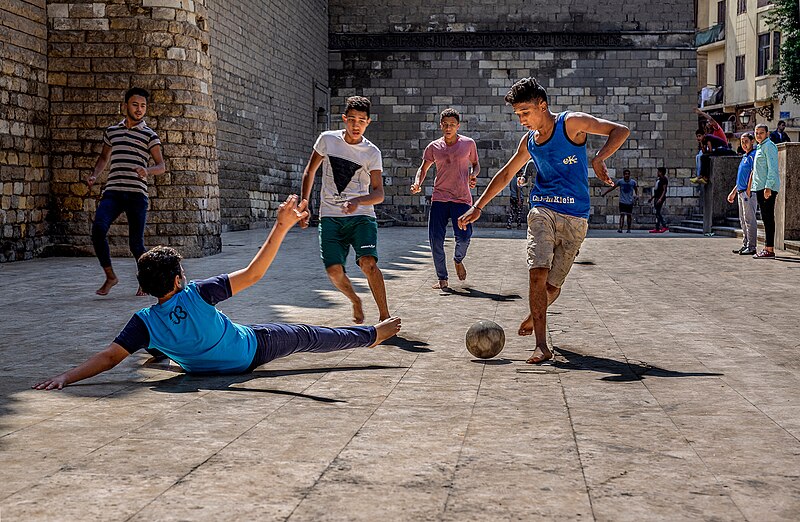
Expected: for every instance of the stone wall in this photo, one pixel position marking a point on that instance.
(270, 69)
(96, 52)
(24, 175)
(411, 71)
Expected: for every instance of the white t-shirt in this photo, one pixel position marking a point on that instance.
(345, 172)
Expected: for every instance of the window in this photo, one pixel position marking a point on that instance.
(741, 8)
(776, 49)
(721, 12)
(764, 53)
(740, 67)
(720, 75)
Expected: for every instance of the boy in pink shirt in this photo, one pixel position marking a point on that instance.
(457, 168)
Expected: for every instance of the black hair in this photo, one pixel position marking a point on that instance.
(450, 113)
(157, 270)
(626, 170)
(137, 91)
(699, 132)
(781, 121)
(357, 103)
(662, 170)
(749, 135)
(526, 90)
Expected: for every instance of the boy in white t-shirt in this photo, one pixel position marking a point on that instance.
(352, 182)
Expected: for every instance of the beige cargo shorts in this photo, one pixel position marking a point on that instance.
(553, 242)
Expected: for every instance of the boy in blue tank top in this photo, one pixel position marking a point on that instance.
(186, 326)
(558, 219)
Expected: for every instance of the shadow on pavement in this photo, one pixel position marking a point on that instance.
(408, 345)
(492, 362)
(471, 292)
(621, 371)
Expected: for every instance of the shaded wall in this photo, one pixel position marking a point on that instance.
(270, 68)
(24, 174)
(638, 68)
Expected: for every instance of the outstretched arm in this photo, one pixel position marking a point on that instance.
(97, 363)
(498, 183)
(419, 179)
(610, 190)
(289, 213)
(579, 124)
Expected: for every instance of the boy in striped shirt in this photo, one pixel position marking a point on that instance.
(128, 146)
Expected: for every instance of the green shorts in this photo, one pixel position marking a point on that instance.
(336, 234)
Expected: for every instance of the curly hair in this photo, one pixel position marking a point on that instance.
(526, 90)
(157, 270)
(357, 103)
(450, 113)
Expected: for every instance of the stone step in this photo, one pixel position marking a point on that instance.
(692, 223)
(792, 246)
(685, 229)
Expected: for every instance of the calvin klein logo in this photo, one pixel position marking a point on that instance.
(571, 160)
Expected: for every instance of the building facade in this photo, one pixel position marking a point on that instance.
(737, 56)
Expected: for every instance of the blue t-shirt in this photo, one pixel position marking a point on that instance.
(562, 179)
(192, 332)
(626, 190)
(745, 169)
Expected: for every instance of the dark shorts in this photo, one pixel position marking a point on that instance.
(625, 208)
(337, 234)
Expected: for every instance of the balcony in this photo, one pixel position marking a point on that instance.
(765, 87)
(704, 40)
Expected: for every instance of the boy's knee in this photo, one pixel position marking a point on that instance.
(368, 264)
(335, 271)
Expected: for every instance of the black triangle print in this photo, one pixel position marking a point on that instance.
(343, 171)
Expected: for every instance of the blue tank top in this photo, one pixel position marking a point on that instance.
(197, 336)
(562, 182)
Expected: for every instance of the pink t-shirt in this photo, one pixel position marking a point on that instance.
(453, 163)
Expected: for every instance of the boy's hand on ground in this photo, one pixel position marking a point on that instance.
(348, 207)
(56, 383)
(470, 216)
(473, 181)
(291, 212)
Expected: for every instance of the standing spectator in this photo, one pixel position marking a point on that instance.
(779, 134)
(747, 204)
(128, 146)
(516, 209)
(766, 182)
(658, 198)
(628, 193)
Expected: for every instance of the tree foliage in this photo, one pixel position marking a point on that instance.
(785, 17)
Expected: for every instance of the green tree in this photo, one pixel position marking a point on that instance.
(785, 17)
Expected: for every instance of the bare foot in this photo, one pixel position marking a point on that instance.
(358, 312)
(461, 270)
(107, 285)
(140, 292)
(441, 285)
(540, 355)
(386, 329)
(526, 327)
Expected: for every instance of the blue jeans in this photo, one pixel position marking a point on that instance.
(113, 204)
(277, 340)
(441, 213)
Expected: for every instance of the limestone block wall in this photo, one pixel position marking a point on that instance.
(24, 175)
(97, 51)
(650, 90)
(270, 67)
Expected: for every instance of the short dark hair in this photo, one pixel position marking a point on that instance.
(781, 121)
(137, 91)
(662, 170)
(526, 90)
(157, 270)
(749, 135)
(357, 103)
(450, 113)
(626, 171)
(699, 132)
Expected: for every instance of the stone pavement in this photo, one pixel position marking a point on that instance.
(674, 395)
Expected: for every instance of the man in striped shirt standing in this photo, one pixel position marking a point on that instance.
(128, 145)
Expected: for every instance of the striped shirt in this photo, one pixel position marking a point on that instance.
(130, 148)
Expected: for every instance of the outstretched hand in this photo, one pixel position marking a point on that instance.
(290, 212)
(56, 383)
(470, 216)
